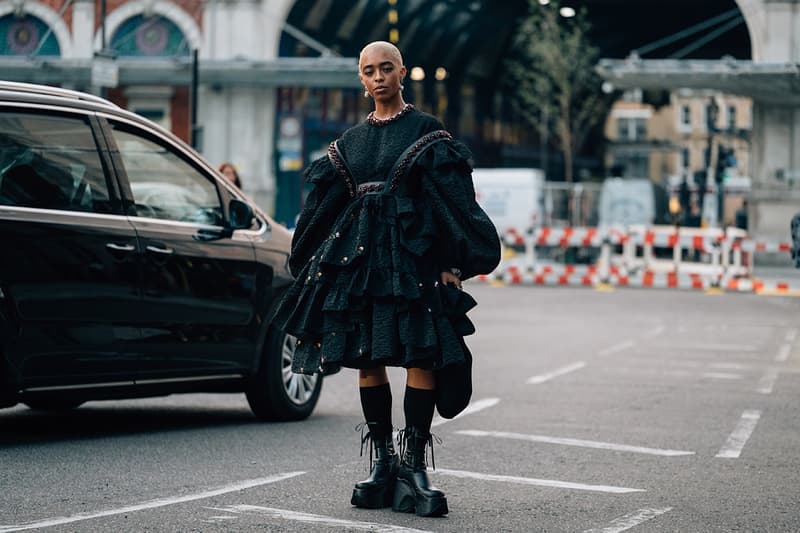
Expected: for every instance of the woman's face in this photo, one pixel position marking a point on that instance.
(381, 73)
(229, 173)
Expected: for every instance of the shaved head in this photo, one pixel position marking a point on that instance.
(383, 46)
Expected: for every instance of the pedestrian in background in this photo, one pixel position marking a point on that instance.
(229, 171)
(388, 233)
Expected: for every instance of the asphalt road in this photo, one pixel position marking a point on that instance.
(640, 410)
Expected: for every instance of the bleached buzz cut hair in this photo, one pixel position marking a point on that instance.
(388, 47)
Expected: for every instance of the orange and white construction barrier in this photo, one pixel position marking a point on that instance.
(627, 258)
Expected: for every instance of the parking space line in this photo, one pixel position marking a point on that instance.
(473, 407)
(733, 447)
(152, 504)
(624, 345)
(319, 520)
(791, 335)
(543, 378)
(574, 442)
(534, 481)
(630, 520)
(783, 353)
(767, 381)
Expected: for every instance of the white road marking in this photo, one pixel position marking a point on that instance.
(624, 345)
(535, 481)
(783, 353)
(732, 448)
(767, 381)
(730, 366)
(222, 517)
(791, 335)
(473, 407)
(677, 373)
(320, 520)
(655, 332)
(574, 442)
(717, 347)
(721, 375)
(630, 520)
(152, 504)
(542, 378)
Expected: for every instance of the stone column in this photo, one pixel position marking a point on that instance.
(239, 122)
(774, 27)
(83, 28)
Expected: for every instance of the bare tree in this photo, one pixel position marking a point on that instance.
(551, 74)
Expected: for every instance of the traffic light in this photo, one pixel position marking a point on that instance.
(725, 159)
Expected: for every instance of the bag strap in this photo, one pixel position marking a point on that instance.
(412, 153)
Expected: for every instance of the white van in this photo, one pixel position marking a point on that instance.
(512, 197)
(627, 201)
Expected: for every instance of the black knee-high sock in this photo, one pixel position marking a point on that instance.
(418, 406)
(376, 403)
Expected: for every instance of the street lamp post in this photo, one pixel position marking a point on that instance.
(711, 125)
(105, 72)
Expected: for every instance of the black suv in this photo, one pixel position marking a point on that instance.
(129, 267)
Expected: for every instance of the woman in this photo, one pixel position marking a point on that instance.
(229, 171)
(388, 233)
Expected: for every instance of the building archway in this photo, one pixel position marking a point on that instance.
(48, 17)
(168, 10)
(142, 37)
(756, 20)
(145, 30)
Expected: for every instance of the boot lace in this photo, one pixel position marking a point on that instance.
(367, 436)
(404, 435)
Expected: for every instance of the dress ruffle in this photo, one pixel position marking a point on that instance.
(371, 294)
(473, 245)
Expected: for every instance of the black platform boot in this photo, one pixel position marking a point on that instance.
(414, 492)
(378, 489)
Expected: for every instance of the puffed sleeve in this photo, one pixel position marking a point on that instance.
(325, 201)
(467, 238)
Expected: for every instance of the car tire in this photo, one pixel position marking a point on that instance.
(794, 228)
(275, 393)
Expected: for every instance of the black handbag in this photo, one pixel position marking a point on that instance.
(454, 386)
(454, 382)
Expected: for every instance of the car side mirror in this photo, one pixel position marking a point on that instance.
(240, 214)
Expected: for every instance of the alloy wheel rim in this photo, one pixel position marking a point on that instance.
(298, 387)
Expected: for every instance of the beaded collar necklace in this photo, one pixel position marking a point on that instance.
(373, 121)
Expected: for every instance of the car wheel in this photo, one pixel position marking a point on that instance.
(795, 233)
(276, 393)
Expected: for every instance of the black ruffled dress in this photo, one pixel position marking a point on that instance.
(392, 206)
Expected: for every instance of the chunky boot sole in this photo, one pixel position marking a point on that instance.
(373, 498)
(406, 500)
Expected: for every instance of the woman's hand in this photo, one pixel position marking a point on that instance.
(449, 277)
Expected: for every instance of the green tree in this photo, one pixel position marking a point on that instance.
(552, 79)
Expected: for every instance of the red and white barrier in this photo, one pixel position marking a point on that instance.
(724, 258)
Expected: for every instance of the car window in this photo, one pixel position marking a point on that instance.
(163, 184)
(50, 162)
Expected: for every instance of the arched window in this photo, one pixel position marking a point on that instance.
(149, 36)
(22, 36)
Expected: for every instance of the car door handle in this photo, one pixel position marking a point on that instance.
(157, 250)
(120, 247)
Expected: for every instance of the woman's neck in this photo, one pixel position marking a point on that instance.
(384, 110)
